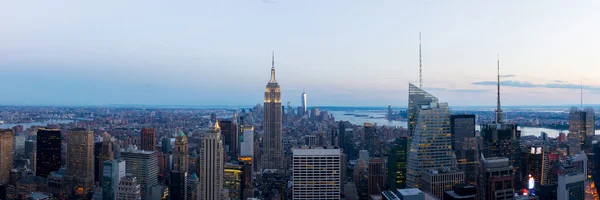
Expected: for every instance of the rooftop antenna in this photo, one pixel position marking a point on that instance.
(581, 93)
(499, 108)
(420, 64)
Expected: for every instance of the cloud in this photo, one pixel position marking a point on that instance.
(456, 90)
(525, 84)
(557, 81)
(507, 76)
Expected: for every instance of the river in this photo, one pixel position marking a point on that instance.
(27, 125)
(378, 117)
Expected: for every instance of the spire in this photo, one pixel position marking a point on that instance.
(420, 64)
(217, 127)
(273, 69)
(581, 93)
(498, 109)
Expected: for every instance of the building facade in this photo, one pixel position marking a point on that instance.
(210, 166)
(497, 179)
(49, 154)
(129, 189)
(439, 180)
(316, 173)
(80, 161)
(148, 139)
(6, 155)
(571, 186)
(273, 150)
(112, 173)
(396, 170)
(144, 166)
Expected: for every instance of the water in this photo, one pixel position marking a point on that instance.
(379, 118)
(27, 125)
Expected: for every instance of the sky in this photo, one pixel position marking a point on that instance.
(343, 53)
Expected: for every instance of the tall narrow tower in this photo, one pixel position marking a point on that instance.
(420, 64)
(273, 151)
(80, 161)
(210, 166)
(304, 101)
(6, 155)
(499, 108)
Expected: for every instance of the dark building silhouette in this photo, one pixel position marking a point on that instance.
(396, 170)
(504, 140)
(460, 192)
(461, 127)
(464, 144)
(48, 152)
(375, 176)
(229, 131)
(148, 139)
(178, 186)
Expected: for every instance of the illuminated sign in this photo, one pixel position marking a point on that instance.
(531, 183)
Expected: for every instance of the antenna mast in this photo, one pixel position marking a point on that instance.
(420, 64)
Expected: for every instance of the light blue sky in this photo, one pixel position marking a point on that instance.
(353, 53)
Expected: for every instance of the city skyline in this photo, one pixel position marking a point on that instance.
(168, 54)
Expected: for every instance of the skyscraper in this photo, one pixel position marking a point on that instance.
(497, 179)
(375, 179)
(390, 113)
(148, 139)
(582, 122)
(417, 98)
(396, 170)
(106, 152)
(304, 108)
(232, 178)
(6, 155)
(370, 134)
(80, 161)
(438, 180)
(229, 131)
(112, 173)
(273, 151)
(48, 152)
(144, 166)
(210, 166)
(179, 175)
(316, 173)
(502, 139)
(247, 144)
(571, 186)
(462, 130)
(129, 189)
(431, 146)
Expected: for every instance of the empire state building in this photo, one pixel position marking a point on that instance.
(272, 156)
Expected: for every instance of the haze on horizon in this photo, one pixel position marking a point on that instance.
(344, 53)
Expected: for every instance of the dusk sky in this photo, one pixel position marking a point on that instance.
(344, 53)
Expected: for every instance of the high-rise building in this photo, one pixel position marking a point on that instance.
(304, 108)
(431, 146)
(316, 173)
(247, 143)
(461, 127)
(375, 179)
(229, 131)
(6, 155)
(148, 139)
(106, 152)
(468, 192)
(390, 113)
(497, 179)
(396, 170)
(462, 130)
(534, 164)
(144, 166)
(417, 98)
(129, 188)
(571, 186)
(210, 166)
(273, 150)
(232, 177)
(370, 134)
(438, 180)
(48, 151)
(178, 187)
(180, 153)
(247, 182)
(112, 172)
(80, 161)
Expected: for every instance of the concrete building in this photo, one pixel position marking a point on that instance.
(571, 186)
(316, 173)
(129, 188)
(112, 172)
(210, 166)
(148, 139)
(143, 165)
(439, 180)
(80, 161)
(375, 180)
(6, 155)
(247, 143)
(272, 157)
(497, 179)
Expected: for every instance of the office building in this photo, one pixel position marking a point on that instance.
(178, 187)
(390, 113)
(232, 178)
(180, 153)
(106, 152)
(316, 173)
(247, 143)
(273, 150)
(431, 145)
(410, 194)
(49, 155)
(497, 179)
(19, 144)
(464, 144)
(417, 98)
(6, 155)
(503, 140)
(129, 188)
(112, 172)
(210, 166)
(80, 161)
(167, 145)
(229, 131)
(148, 139)
(375, 180)
(303, 100)
(144, 166)
(369, 139)
(396, 170)
(461, 127)
(534, 164)
(571, 186)
(247, 181)
(439, 180)
(581, 122)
